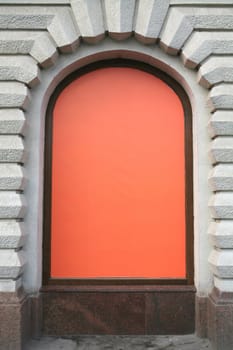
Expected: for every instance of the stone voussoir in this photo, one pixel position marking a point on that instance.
(38, 44)
(12, 234)
(119, 17)
(149, 19)
(201, 45)
(89, 18)
(182, 21)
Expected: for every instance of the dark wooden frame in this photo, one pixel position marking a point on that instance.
(118, 284)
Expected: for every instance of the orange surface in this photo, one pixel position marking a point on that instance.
(118, 193)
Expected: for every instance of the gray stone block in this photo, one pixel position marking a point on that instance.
(221, 178)
(89, 18)
(11, 149)
(12, 234)
(221, 123)
(20, 68)
(216, 70)
(119, 16)
(221, 97)
(12, 177)
(149, 19)
(221, 206)
(38, 44)
(12, 205)
(221, 262)
(11, 263)
(203, 44)
(182, 21)
(12, 121)
(222, 150)
(221, 234)
(14, 95)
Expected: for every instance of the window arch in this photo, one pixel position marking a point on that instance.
(60, 250)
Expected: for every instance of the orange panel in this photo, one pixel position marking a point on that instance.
(118, 178)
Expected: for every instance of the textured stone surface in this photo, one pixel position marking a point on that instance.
(12, 177)
(221, 233)
(20, 68)
(149, 19)
(221, 150)
(12, 205)
(221, 178)
(182, 21)
(38, 44)
(89, 17)
(221, 97)
(188, 342)
(119, 16)
(203, 44)
(216, 70)
(12, 234)
(221, 262)
(13, 95)
(11, 263)
(221, 205)
(11, 149)
(12, 121)
(224, 284)
(221, 123)
(10, 285)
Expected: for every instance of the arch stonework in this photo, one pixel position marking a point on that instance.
(41, 42)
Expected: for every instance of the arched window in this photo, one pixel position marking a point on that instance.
(118, 178)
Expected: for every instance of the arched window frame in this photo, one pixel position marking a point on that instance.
(80, 282)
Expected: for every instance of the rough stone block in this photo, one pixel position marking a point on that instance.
(149, 19)
(9, 285)
(203, 44)
(63, 31)
(11, 263)
(12, 234)
(13, 95)
(221, 124)
(221, 97)
(11, 149)
(221, 150)
(223, 284)
(221, 234)
(20, 68)
(119, 16)
(38, 44)
(221, 205)
(89, 18)
(12, 177)
(182, 21)
(221, 178)
(221, 262)
(12, 121)
(12, 205)
(216, 70)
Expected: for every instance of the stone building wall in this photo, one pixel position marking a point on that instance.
(41, 42)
